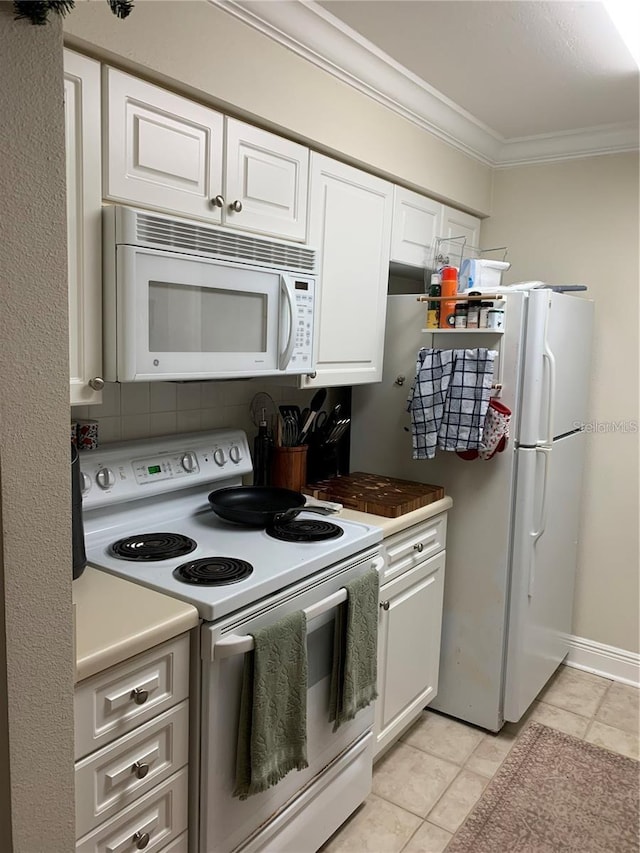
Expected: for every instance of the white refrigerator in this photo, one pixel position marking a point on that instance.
(513, 530)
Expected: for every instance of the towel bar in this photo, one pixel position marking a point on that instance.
(235, 644)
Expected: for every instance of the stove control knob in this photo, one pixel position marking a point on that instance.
(219, 457)
(234, 454)
(105, 478)
(189, 461)
(85, 482)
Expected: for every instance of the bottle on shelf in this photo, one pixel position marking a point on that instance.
(473, 310)
(449, 287)
(433, 308)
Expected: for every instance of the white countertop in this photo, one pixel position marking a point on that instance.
(116, 619)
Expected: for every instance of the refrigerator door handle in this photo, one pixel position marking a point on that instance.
(534, 535)
(550, 359)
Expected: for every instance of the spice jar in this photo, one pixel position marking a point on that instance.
(483, 320)
(496, 318)
(473, 311)
(461, 315)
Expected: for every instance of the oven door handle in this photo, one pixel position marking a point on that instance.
(234, 644)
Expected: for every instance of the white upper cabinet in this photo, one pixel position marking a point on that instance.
(455, 223)
(84, 229)
(417, 221)
(267, 179)
(169, 153)
(161, 150)
(350, 225)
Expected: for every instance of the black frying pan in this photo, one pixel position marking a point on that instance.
(259, 506)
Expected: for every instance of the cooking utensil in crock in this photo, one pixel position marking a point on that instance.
(260, 506)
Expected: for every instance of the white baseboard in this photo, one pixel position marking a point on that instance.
(607, 661)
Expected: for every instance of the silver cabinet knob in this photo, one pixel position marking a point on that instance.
(140, 770)
(236, 206)
(419, 547)
(97, 383)
(384, 605)
(139, 695)
(218, 201)
(141, 839)
(235, 455)
(105, 478)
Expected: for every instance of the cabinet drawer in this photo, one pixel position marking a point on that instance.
(161, 814)
(113, 702)
(413, 545)
(115, 776)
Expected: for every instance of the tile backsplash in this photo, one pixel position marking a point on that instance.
(144, 409)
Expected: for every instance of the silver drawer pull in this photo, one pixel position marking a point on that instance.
(141, 839)
(139, 695)
(419, 547)
(140, 770)
(384, 605)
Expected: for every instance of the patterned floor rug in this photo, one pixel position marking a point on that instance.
(555, 794)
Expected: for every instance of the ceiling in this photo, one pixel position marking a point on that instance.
(506, 80)
(521, 68)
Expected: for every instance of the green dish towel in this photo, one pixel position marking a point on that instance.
(355, 650)
(272, 734)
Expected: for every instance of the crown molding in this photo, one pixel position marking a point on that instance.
(317, 36)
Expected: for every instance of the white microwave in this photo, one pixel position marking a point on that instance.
(186, 301)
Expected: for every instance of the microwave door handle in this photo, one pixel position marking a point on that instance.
(285, 355)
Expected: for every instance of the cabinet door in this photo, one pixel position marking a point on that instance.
(408, 647)
(350, 225)
(161, 150)
(417, 221)
(84, 198)
(456, 224)
(267, 176)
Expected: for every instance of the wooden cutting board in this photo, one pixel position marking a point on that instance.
(385, 496)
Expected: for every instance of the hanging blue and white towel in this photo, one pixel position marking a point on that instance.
(449, 399)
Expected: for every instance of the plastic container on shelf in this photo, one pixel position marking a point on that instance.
(483, 319)
(496, 318)
(473, 310)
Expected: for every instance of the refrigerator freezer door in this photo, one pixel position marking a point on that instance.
(543, 564)
(557, 367)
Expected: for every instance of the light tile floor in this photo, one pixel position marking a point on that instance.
(428, 782)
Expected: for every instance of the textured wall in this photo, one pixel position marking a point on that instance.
(578, 222)
(37, 690)
(204, 51)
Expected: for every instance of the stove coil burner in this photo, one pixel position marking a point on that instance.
(153, 546)
(213, 571)
(304, 530)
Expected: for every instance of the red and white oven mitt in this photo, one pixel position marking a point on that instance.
(495, 432)
(496, 429)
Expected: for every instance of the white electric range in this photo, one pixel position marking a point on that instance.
(147, 518)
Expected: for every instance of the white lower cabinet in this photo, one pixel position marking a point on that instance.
(410, 626)
(132, 791)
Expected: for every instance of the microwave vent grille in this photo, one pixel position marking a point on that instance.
(223, 245)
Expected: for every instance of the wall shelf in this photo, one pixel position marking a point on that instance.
(464, 331)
